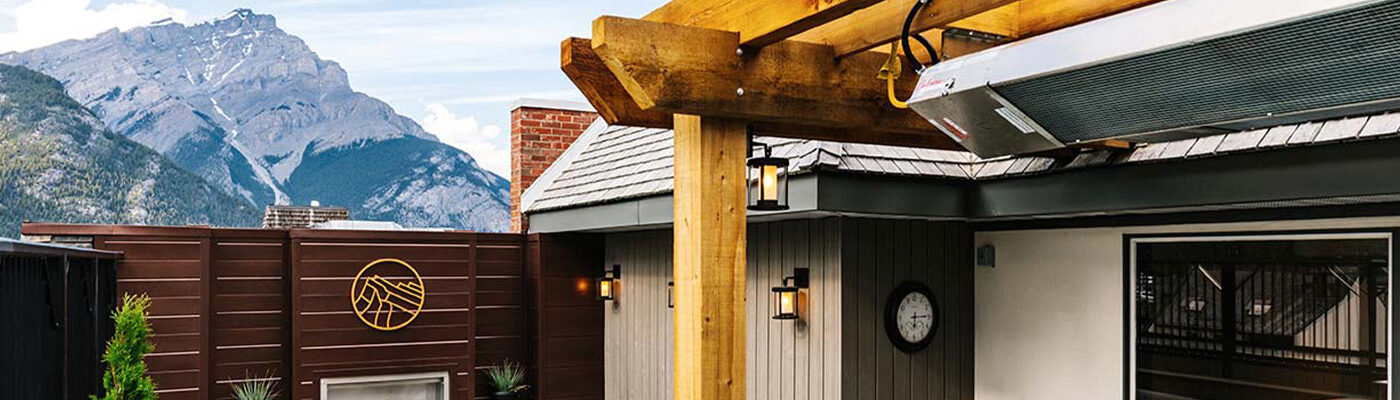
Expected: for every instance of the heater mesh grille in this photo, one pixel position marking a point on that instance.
(1335, 59)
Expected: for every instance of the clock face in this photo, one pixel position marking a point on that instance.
(911, 316)
(915, 317)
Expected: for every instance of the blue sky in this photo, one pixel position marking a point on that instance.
(453, 66)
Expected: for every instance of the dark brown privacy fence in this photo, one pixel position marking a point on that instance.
(230, 304)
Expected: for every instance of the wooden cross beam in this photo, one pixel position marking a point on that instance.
(882, 23)
(877, 25)
(788, 88)
(758, 22)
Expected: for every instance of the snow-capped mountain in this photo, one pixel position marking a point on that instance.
(257, 113)
(58, 164)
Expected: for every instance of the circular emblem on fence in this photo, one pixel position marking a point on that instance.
(387, 294)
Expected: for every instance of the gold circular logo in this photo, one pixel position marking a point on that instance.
(387, 294)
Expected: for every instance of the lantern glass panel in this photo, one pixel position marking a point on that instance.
(605, 289)
(785, 302)
(768, 183)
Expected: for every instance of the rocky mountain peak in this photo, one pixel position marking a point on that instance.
(240, 102)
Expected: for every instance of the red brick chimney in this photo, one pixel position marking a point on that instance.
(540, 130)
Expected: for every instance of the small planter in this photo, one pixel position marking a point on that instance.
(504, 396)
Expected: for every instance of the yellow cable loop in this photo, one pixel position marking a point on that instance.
(889, 72)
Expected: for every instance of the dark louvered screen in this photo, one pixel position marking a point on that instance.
(1341, 58)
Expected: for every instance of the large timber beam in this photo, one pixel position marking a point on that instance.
(709, 259)
(758, 22)
(602, 89)
(789, 88)
(882, 23)
(1035, 17)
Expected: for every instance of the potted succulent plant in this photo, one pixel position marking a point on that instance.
(508, 379)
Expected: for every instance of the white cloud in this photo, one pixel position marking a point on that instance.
(466, 134)
(564, 94)
(43, 22)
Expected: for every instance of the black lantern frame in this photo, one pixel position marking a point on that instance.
(671, 294)
(768, 180)
(606, 285)
(786, 297)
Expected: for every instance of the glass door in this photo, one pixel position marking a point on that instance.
(1265, 318)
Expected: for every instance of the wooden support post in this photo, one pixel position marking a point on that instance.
(709, 257)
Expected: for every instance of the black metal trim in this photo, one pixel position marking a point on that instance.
(1384, 209)
(1129, 278)
(11, 246)
(1275, 184)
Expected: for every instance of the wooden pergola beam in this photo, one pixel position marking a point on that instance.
(1035, 17)
(602, 88)
(758, 22)
(878, 25)
(882, 23)
(788, 87)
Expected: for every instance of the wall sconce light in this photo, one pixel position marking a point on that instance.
(785, 299)
(671, 294)
(607, 284)
(768, 176)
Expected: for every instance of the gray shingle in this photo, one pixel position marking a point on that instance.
(1305, 133)
(1205, 145)
(628, 162)
(1242, 140)
(1177, 149)
(1277, 136)
(1340, 129)
(994, 168)
(1381, 125)
(1018, 166)
(1147, 152)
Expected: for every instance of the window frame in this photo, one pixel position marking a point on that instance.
(1130, 280)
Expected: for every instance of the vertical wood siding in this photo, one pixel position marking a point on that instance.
(838, 349)
(787, 359)
(879, 254)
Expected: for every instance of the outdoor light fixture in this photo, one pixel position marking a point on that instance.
(671, 294)
(607, 284)
(768, 186)
(785, 299)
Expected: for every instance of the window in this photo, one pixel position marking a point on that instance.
(429, 386)
(1266, 317)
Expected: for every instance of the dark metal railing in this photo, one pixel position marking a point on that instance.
(1309, 314)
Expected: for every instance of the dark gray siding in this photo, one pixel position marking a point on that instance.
(879, 254)
(838, 350)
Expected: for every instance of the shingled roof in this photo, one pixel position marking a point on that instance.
(610, 163)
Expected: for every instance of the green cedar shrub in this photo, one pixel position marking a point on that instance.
(125, 377)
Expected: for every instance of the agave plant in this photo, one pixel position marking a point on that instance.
(256, 387)
(508, 377)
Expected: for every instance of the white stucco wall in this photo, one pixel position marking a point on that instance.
(1049, 317)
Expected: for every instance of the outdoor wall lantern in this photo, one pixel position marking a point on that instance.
(671, 294)
(607, 284)
(768, 186)
(785, 299)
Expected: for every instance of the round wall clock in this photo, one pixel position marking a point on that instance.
(911, 316)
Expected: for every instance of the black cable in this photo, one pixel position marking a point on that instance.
(904, 40)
